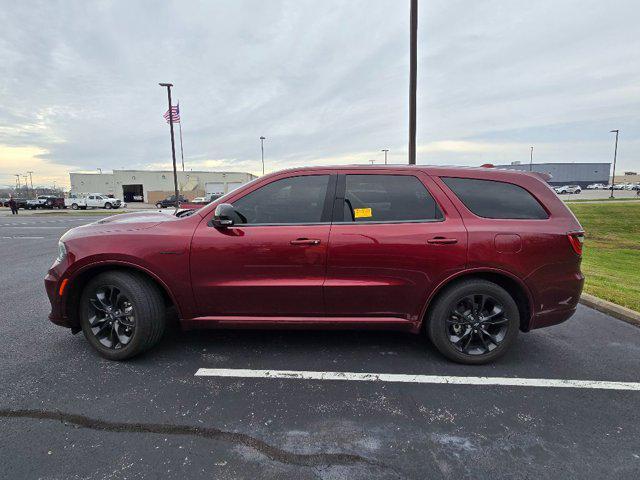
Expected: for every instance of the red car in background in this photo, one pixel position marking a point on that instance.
(467, 257)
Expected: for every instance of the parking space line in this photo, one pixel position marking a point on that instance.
(19, 237)
(428, 379)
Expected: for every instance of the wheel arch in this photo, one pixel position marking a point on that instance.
(80, 278)
(512, 284)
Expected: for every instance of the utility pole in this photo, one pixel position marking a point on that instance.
(17, 181)
(372, 161)
(385, 150)
(31, 179)
(173, 143)
(615, 156)
(413, 78)
(100, 170)
(531, 161)
(26, 184)
(262, 139)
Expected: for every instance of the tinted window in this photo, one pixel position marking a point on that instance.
(491, 199)
(290, 200)
(388, 198)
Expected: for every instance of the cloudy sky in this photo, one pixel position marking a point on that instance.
(325, 82)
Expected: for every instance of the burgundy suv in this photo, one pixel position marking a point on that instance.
(465, 256)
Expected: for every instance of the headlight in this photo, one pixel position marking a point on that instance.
(62, 252)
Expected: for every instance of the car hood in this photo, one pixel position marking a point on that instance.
(120, 223)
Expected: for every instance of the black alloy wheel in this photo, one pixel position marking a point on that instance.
(477, 324)
(473, 321)
(113, 320)
(122, 314)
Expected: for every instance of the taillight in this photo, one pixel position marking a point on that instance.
(576, 239)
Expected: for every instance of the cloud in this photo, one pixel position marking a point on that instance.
(325, 82)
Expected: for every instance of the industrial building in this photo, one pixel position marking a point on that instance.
(581, 174)
(150, 186)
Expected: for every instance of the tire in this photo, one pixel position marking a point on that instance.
(147, 308)
(74, 206)
(441, 328)
(159, 205)
(108, 206)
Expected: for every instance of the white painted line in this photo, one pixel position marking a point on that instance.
(28, 238)
(437, 379)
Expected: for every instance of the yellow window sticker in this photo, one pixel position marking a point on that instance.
(362, 213)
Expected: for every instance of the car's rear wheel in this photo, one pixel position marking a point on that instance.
(158, 205)
(473, 322)
(74, 206)
(122, 314)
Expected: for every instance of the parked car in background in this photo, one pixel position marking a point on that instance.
(92, 200)
(596, 186)
(45, 201)
(467, 257)
(170, 201)
(205, 200)
(568, 189)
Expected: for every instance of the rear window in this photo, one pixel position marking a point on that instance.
(388, 198)
(492, 199)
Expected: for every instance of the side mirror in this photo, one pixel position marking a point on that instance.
(224, 216)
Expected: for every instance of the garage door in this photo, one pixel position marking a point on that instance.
(233, 185)
(214, 188)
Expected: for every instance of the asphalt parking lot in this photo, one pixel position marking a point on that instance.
(67, 413)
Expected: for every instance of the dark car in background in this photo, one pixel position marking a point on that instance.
(170, 201)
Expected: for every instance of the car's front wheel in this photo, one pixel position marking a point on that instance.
(158, 205)
(473, 322)
(108, 206)
(122, 314)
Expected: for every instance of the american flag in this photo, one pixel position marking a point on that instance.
(175, 113)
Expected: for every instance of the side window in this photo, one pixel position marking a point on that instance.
(492, 199)
(388, 198)
(290, 200)
(91, 197)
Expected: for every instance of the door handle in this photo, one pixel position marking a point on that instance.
(305, 241)
(442, 241)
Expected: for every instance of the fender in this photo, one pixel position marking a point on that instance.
(122, 263)
(470, 272)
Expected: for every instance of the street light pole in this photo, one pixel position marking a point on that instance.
(173, 143)
(413, 78)
(385, 150)
(262, 139)
(31, 179)
(615, 155)
(531, 161)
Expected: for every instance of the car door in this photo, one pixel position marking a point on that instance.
(395, 236)
(272, 263)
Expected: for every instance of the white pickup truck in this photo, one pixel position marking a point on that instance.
(93, 200)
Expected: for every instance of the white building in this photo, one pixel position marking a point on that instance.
(150, 186)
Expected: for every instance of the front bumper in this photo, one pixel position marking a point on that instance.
(57, 314)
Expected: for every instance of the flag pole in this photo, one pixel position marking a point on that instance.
(181, 151)
(173, 146)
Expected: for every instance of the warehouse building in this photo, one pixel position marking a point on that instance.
(150, 186)
(581, 174)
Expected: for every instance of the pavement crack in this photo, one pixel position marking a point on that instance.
(274, 453)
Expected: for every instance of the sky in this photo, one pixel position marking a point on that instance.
(326, 81)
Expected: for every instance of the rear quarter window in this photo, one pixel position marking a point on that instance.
(493, 199)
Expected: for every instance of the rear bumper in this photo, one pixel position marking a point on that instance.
(557, 295)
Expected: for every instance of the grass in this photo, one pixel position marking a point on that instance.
(611, 258)
(608, 199)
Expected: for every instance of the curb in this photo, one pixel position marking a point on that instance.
(612, 309)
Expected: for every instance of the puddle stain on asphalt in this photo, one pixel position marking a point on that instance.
(274, 453)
